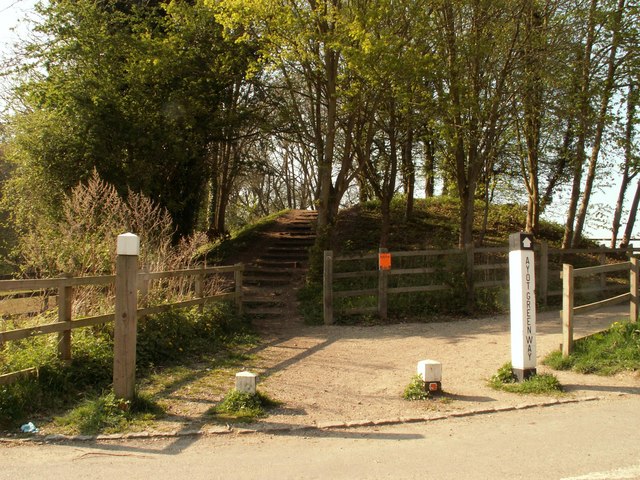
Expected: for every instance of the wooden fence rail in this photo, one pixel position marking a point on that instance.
(546, 276)
(65, 289)
(569, 310)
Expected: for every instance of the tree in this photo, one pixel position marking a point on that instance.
(477, 49)
(131, 90)
(607, 92)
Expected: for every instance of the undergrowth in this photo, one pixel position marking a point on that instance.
(175, 336)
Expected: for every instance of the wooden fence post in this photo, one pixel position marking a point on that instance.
(65, 303)
(634, 271)
(602, 260)
(383, 288)
(327, 287)
(143, 285)
(543, 283)
(125, 322)
(567, 309)
(238, 277)
(199, 287)
(469, 276)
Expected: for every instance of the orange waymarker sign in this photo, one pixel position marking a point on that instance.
(384, 261)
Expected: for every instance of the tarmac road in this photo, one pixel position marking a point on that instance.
(587, 440)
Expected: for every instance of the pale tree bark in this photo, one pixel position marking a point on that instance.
(627, 176)
(583, 125)
(626, 238)
(534, 53)
(600, 123)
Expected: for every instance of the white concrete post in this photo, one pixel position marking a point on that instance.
(246, 382)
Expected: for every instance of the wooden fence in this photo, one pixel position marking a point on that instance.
(65, 286)
(490, 267)
(569, 274)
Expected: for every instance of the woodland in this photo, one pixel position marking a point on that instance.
(223, 111)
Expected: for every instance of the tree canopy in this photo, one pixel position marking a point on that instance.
(224, 109)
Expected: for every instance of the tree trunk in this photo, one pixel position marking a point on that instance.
(626, 238)
(409, 173)
(628, 159)
(583, 119)
(534, 57)
(429, 168)
(601, 121)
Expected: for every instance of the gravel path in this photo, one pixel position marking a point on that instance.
(347, 374)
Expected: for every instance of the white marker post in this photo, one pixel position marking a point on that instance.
(522, 281)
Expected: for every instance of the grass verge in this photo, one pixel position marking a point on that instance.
(75, 397)
(606, 353)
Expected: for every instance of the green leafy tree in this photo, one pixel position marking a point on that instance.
(133, 91)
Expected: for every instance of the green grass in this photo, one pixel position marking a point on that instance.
(243, 407)
(543, 384)
(607, 353)
(107, 414)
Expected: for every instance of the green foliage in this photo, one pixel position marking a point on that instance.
(607, 353)
(107, 414)
(241, 240)
(310, 298)
(175, 336)
(244, 406)
(56, 383)
(543, 384)
(135, 93)
(416, 389)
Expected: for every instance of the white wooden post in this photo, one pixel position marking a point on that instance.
(522, 283)
(327, 287)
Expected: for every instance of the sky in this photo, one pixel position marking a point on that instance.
(12, 27)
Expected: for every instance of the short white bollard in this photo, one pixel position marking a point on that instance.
(431, 373)
(246, 382)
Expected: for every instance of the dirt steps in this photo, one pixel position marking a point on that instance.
(272, 278)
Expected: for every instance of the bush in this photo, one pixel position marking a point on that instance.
(172, 335)
(56, 383)
(162, 339)
(82, 240)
